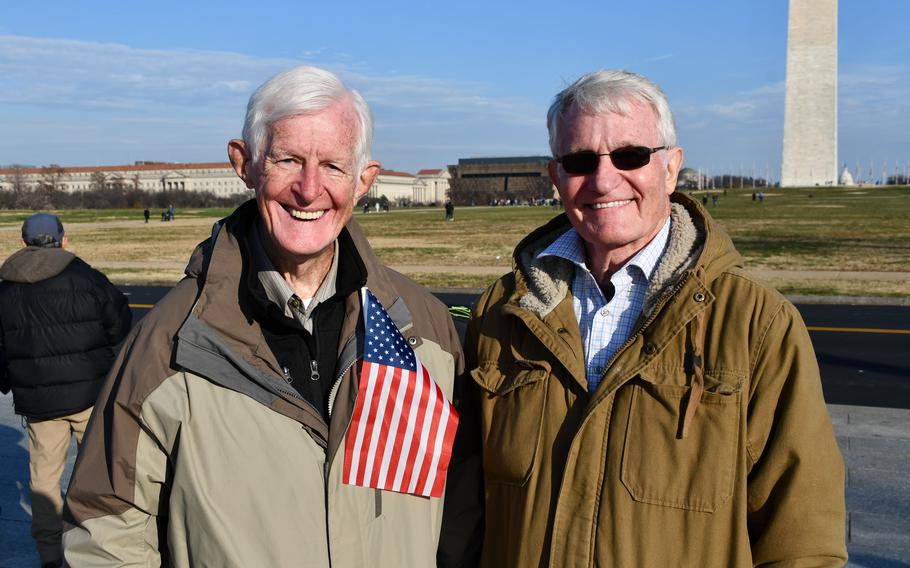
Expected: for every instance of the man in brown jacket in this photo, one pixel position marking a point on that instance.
(642, 400)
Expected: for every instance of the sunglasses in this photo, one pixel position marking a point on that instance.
(626, 158)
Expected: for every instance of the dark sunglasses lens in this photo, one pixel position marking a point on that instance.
(580, 162)
(630, 158)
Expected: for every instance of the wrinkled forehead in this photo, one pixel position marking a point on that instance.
(631, 121)
(336, 124)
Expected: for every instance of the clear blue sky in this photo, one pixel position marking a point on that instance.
(98, 82)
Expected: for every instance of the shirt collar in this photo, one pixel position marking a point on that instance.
(277, 288)
(570, 247)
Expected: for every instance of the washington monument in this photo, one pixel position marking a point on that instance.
(810, 112)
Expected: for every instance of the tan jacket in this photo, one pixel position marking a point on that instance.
(199, 454)
(707, 442)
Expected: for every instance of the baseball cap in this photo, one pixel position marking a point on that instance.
(42, 229)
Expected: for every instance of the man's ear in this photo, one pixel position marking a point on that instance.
(241, 161)
(367, 177)
(65, 241)
(552, 169)
(674, 164)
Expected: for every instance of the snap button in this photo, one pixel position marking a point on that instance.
(650, 349)
(412, 340)
(562, 330)
(700, 297)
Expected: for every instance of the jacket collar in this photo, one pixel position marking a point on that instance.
(542, 283)
(34, 264)
(222, 340)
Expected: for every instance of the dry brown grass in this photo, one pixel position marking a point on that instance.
(791, 233)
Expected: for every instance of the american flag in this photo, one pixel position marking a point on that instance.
(401, 433)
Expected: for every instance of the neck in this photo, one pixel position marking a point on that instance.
(306, 277)
(603, 265)
(304, 274)
(603, 262)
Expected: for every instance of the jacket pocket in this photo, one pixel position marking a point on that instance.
(694, 473)
(512, 417)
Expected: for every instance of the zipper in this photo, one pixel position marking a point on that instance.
(326, 467)
(334, 390)
(325, 485)
(660, 304)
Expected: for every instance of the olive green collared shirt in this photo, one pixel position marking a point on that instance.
(279, 291)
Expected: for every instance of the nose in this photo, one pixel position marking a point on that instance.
(308, 183)
(606, 177)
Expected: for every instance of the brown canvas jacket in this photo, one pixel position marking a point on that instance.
(707, 442)
(199, 454)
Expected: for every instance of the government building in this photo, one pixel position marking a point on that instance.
(428, 186)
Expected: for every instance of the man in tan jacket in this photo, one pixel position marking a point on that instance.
(642, 400)
(227, 432)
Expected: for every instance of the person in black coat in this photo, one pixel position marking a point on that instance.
(60, 323)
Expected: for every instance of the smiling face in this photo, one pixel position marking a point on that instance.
(615, 212)
(307, 185)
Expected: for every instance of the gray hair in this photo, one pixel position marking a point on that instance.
(614, 90)
(299, 91)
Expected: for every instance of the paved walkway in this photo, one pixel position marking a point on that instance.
(875, 443)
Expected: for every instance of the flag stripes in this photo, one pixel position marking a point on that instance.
(403, 427)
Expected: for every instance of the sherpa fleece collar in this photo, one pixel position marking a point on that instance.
(549, 278)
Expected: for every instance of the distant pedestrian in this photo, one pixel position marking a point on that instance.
(761, 196)
(704, 200)
(60, 321)
(714, 200)
(366, 207)
(450, 211)
(753, 196)
(170, 212)
(147, 214)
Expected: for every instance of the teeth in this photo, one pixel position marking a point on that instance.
(610, 204)
(306, 215)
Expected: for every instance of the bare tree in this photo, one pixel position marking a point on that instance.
(99, 181)
(16, 178)
(51, 178)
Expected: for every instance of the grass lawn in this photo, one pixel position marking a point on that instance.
(861, 230)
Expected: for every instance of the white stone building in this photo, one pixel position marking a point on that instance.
(397, 187)
(428, 186)
(215, 177)
(432, 186)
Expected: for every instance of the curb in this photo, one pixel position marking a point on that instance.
(850, 300)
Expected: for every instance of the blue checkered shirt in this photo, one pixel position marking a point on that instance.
(604, 326)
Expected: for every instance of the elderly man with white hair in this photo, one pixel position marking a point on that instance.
(643, 401)
(288, 403)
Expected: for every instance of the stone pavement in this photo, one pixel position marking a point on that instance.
(875, 443)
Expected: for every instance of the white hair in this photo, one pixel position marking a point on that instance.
(300, 91)
(613, 90)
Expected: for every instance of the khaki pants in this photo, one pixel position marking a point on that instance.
(48, 443)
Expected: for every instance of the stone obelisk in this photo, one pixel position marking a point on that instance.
(810, 112)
